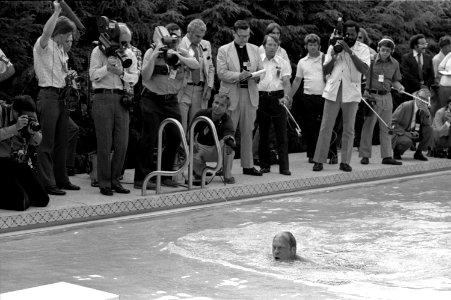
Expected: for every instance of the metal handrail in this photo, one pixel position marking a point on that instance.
(159, 172)
(191, 148)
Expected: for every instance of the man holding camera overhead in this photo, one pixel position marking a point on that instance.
(163, 73)
(50, 64)
(111, 73)
(346, 61)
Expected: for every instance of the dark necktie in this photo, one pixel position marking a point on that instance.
(195, 74)
(420, 67)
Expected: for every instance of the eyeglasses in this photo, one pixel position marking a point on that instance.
(125, 44)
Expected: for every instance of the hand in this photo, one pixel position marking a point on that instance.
(245, 75)
(114, 66)
(414, 134)
(401, 89)
(22, 121)
(207, 94)
(172, 51)
(284, 101)
(157, 51)
(57, 6)
(345, 46)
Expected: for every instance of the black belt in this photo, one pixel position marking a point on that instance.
(378, 92)
(152, 94)
(200, 83)
(108, 91)
(278, 93)
(52, 88)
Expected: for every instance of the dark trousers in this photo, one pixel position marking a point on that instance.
(19, 187)
(155, 108)
(111, 121)
(314, 106)
(72, 138)
(53, 118)
(270, 111)
(401, 143)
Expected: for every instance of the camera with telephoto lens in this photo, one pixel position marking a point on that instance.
(161, 36)
(33, 125)
(109, 40)
(337, 36)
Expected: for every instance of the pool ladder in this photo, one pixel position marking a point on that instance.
(188, 153)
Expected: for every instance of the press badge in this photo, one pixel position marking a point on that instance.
(172, 74)
(381, 78)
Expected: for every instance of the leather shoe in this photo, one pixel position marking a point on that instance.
(390, 161)
(345, 167)
(365, 161)
(418, 155)
(265, 170)
(230, 180)
(317, 167)
(53, 190)
(285, 172)
(252, 171)
(106, 191)
(333, 160)
(150, 185)
(68, 186)
(118, 188)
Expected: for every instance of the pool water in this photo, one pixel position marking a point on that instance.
(389, 240)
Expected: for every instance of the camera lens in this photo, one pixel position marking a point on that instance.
(338, 48)
(35, 126)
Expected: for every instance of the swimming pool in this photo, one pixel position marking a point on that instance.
(388, 240)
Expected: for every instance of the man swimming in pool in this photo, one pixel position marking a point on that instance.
(284, 247)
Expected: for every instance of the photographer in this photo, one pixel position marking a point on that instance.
(163, 73)
(204, 145)
(442, 130)
(345, 62)
(383, 74)
(111, 117)
(412, 123)
(18, 129)
(50, 64)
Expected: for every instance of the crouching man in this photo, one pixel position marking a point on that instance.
(19, 186)
(204, 145)
(412, 123)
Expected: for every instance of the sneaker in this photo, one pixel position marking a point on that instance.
(365, 161)
(150, 185)
(169, 182)
(390, 161)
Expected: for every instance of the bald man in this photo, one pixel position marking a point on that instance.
(284, 247)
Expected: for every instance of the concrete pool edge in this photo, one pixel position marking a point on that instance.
(47, 217)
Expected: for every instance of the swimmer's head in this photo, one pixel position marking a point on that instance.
(284, 246)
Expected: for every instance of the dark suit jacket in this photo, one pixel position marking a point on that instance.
(402, 118)
(409, 71)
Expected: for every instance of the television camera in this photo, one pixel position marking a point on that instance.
(337, 35)
(161, 36)
(109, 40)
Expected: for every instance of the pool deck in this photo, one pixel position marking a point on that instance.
(88, 204)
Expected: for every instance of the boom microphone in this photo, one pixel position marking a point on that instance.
(71, 15)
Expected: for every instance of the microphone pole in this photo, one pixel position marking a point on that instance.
(71, 15)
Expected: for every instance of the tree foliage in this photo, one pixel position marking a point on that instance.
(22, 22)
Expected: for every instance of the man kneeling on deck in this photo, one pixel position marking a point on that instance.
(204, 145)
